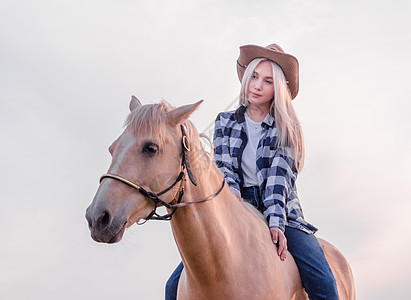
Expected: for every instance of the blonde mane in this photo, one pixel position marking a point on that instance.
(254, 211)
(151, 119)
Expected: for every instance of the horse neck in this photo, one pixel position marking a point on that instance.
(204, 232)
(200, 226)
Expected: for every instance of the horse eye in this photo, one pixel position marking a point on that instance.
(150, 149)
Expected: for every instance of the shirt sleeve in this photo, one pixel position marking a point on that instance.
(222, 156)
(280, 182)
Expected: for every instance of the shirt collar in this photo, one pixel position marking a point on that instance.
(268, 121)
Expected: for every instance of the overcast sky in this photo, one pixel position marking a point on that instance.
(68, 69)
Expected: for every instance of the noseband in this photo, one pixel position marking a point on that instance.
(154, 197)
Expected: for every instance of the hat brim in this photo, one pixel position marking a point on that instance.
(287, 62)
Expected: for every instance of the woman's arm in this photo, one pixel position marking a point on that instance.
(280, 180)
(222, 156)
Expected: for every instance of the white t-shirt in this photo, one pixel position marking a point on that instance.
(249, 157)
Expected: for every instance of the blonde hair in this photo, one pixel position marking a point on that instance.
(290, 133)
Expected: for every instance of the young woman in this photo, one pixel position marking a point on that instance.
(260, 149)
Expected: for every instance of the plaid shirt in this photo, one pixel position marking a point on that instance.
(276, 173)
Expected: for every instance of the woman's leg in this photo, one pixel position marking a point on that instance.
(172, 283)
(316, 275)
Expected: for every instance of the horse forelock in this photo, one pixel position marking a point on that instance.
(149, 119)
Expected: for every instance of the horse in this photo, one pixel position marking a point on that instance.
(225, 247)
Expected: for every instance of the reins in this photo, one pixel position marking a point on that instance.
(154, 197)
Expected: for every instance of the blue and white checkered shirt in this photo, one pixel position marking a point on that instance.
(276, 173)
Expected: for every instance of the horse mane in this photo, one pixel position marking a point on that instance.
(254, 211)
(149, 119)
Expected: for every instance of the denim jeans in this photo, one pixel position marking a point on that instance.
(252, 196)
(315, 272)
(172, 283)
(316, 275)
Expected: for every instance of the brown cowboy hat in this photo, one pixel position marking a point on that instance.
(287, 62)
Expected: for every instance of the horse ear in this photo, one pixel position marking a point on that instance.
(134, 103)
(182, 113)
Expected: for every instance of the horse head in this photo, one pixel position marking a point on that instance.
(146, 162)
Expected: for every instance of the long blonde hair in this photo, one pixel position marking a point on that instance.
(290, 133)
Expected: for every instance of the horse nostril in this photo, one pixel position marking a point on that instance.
(105, 219)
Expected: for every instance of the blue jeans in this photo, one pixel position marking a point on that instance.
(252, 196)
(172, 283)
(316, 275)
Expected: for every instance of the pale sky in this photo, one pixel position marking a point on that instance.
(68, 69)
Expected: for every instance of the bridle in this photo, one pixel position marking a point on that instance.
(154, 197)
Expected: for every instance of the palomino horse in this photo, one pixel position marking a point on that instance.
(226, 249)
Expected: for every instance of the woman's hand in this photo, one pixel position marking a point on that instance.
(280, 241)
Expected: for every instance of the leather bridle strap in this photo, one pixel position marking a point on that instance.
(182, 204)
(186, 148)
(153, 197)
(148, 194)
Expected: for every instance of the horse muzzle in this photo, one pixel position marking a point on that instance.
(103, 227)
